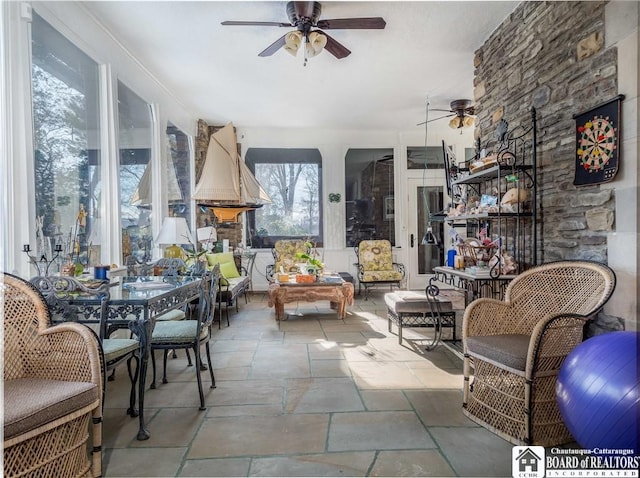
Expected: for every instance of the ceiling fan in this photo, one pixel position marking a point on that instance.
(305, 18)
(462, 111)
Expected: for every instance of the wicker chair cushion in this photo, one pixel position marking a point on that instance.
(183, 331)
(509, 350)
(32, 402)
(407, 301)
(116, 348)
(378, 276)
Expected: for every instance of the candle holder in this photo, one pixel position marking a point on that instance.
(43, 264)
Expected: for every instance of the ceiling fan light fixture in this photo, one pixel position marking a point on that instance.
(315, 44)
(292, 42)
(461, 122)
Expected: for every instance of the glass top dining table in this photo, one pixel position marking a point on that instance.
(134, 303)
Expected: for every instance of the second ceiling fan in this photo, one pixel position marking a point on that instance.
(305, 18)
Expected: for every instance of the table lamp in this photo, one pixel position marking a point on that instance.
(174, 231)
(208, 236)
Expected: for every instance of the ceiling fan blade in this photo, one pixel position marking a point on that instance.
(372, 23)
(335, 48)
(260, 24)
(274, 47)
(436, 119)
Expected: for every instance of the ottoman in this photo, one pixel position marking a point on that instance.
(417, 309)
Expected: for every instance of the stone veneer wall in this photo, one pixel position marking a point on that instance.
(233, 232)
(551, 55)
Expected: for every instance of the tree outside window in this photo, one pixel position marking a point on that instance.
(293, 180)
(66, 145)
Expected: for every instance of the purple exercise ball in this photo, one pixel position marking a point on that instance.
(598, 391)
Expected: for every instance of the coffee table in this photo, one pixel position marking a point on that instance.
(338, 292)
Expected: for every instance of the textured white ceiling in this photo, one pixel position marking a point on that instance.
(425, 51)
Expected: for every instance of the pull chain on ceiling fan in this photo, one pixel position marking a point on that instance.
(305, 18)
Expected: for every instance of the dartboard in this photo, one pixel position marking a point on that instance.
(596, 144)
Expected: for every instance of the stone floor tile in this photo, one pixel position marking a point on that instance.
(234, 345)
(411, 463)
(142, 462)
(246, 436)
(248, 392)
(384, 375)
(330, 368)
(439, 407)
(119, 430)
(172, 427)
(249, 410)
(397, 430)
(216, 467)
(474, 451)
(377, 400)
(327, 464)
(319, 395)
(438, 378)
(230, 358)
(325, 349)
(178, 394)
(347, 337)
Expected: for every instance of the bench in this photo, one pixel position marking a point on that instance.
(418, 309)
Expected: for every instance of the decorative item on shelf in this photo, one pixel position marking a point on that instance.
(174, 231)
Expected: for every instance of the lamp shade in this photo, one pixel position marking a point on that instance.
(207, 234)
(316, 42)
(292, 42)
(174, 230)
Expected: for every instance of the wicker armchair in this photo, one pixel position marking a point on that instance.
(375, 265)
(52, 389)
(517, 346)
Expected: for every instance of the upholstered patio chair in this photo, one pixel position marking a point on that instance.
(189, 334)
(375, 265)
(516, 348)
(52, 389)
(284, 256)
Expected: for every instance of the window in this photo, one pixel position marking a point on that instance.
(178, 173)
(369, 195)
(66, 142)
(293, 180)
(418, 158)
(134, 121)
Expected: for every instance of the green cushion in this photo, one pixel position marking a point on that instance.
(182, 331)
(219, 258)
(116, 348)
(175, 314)
(228, 270)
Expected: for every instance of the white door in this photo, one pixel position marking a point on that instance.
(425, 196)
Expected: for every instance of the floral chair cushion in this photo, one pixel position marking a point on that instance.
(285, 251)
(375, 256)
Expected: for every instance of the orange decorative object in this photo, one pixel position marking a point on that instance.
(305, 278)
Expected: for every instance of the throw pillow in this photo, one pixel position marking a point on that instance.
(229, 270)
